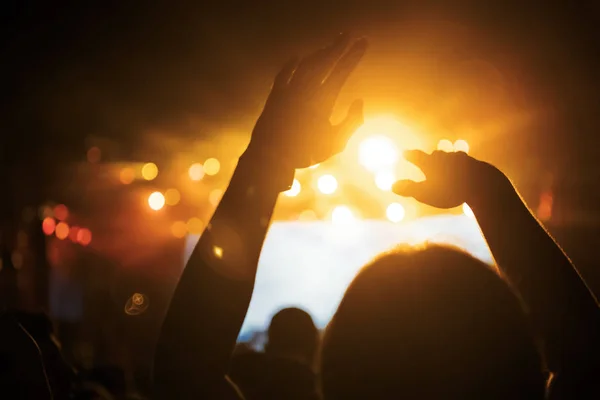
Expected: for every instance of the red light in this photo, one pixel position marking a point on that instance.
(48, 226)
(62, 230)
(61, 212)
(73, 233)
(84, 236)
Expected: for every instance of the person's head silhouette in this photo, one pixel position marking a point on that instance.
(293, 334)
(430, 323)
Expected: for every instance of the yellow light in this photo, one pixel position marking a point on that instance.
(156, 201)
(314, 166)
(218, 251)
(377, 152)
(342, 215)
(461, 145)
(327, 184)
(179, 229)
(215, 197)
(149, 171)
(307, 215)
(294, 190)
(126, 176)
(196, 172)
(445, 145)
(172, 197)
(195, 226)
(384, 180)
(395, 212)
(467, 211)
(212, 166)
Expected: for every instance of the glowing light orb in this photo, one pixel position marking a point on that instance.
(445, 145)
(214, 197)
(149, 171)
(218, 251)
(294, 190)
(212, 166)
(384, 180)
(127, 176)
(467, 211)
(327, 184)
(377, 152)
(62, 230)
(48, 226)
(395, 212)
(84, 236)
(196, 172)
(195, 226)
(179, 229)
(461, 145)
(172, 197)
(342, 215)
(156, 201)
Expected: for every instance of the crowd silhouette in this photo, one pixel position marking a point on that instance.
(430, 322)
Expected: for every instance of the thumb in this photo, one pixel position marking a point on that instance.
(420, 191)
(354, 119)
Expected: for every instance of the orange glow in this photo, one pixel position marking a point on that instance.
(48, 226)
(149, 171)
(461, 145)
(73, 233)
(172, 197)
(84, 236)
(195, 226)
(307, 215)
(61, 212)
(212, 166)
(445, 145)
(62, 230)
(94, 154)
(218, 251)
(327, 184)
(294, 190)
(179, 229)
(127, 176)
(395, 212)
(215, 196)
(156, 201)
(196, 172)
(377, 152)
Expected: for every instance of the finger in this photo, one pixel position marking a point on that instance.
(354, 119)
(314, 68)
(420, 191)
(406, 188)
(342, 70)
(284, 76)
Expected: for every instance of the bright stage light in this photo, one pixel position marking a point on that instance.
(327, 184)
(156, 201)
(467, 211)
(461, 145)
(196, 172)
(395, 212)
(377, 152)
(294, 190)
(445, 145)
(342, 215)
(384, 180)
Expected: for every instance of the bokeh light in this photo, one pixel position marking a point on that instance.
(149, 171)
(395, 212)
(127, 175)
(467, 211)
(445, 145)
(61, 212)
(384, 180)
(136, 304)
(73, 232)
(212, 166)
(461, 145)
(195, 226)
(62, 230)
(48, 226)
(84, 236)
(172, 197)
(156, 201)
(294, 190)
(214, 197)
(377, 152)
(196, 172)
(307, 215)
(94, 154)
(342, 215)
(218, 251)
(327, 184)
(179, 229)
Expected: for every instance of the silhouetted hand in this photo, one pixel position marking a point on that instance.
(294, 129)
(451, 178)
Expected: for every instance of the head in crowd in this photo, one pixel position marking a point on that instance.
(430, 323)
(293, 334)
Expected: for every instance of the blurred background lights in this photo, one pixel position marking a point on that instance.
(195, 226)
(294, 190)
(48, 226)
(461, 145)
(196, 172)
(327, 184)
(179, 229)
(384, 180)
(395, 212)
(84, 236)
(156, 201)
(467, 211)
(126, 176)
(377, 152)
(215, 196)
(445, 145)
(61, 212)
(94, 154)
(172, 197)
(342, 215)
(212, 166)
(149, 171)
(62, 230)
(136, 304)
(307, 215)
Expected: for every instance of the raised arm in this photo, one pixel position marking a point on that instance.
(563, 310)
(210, 302)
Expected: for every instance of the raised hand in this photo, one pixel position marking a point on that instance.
(451, 178)
(294, 129)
